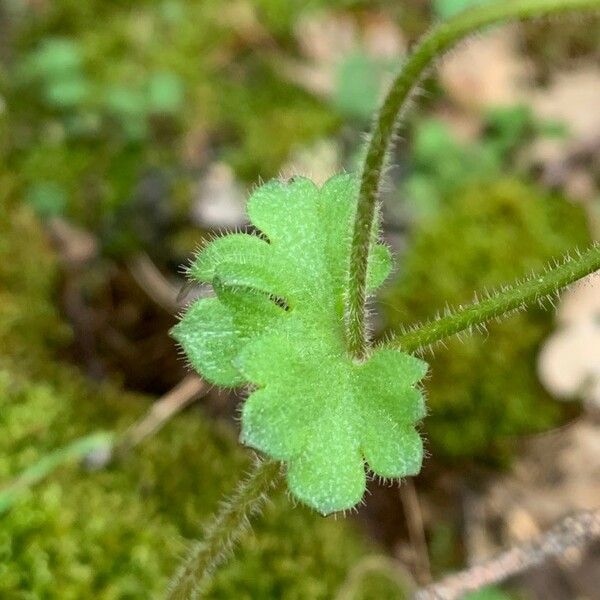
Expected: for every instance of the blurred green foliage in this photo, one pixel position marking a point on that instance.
(47, 198)
(359, 81)
(483, 390)
(98, 95)
(119, 532)
(491, 593)
(440, 163)
(94, 96)
(445, 9)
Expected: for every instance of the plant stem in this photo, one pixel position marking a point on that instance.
(513, 297)
(75, 451)
(225, 530)
(190, 388)
(433, 45)
(571, 534)
(232, 520)
(416, 531)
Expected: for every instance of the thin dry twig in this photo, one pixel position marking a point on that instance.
(416, 531)
(153, 282)
(563, 539)
(183, 394)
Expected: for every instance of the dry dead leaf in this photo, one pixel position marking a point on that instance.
(569, 361)
(220, 199)
(318, 162)
(325, 39)
(558, 474)
(581, 302)
(570, 99)
(487, 71)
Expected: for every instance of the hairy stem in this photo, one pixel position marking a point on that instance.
(513, 297)
(224, 532)
(433, 45)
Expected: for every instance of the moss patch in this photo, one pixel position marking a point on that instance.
(483, 390)
(119, 532)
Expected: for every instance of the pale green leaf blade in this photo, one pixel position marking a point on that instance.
(279, 327)
(393, 452)
(237, 248)
(330, 474)
(212, 333)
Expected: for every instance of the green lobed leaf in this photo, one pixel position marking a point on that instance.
(277, 323)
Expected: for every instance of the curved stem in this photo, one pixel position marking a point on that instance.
(513, 297)
(433, 45)
(222, 534)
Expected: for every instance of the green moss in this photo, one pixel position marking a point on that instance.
(120, 532)
(441, 164)
(29, 322)
(268, 118)
(99, 95)
(483, 391)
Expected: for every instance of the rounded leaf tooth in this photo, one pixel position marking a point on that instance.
(272, 423)
(340, 189)
(236, 248)
(330, 475)
(337, 204)
(211, 340)
(284, 212)
(291, 220)
(384, 385)
(402, 406)
(411, 406)
(248, 304)
(394, 366)
(393, 452)
(250, 277)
